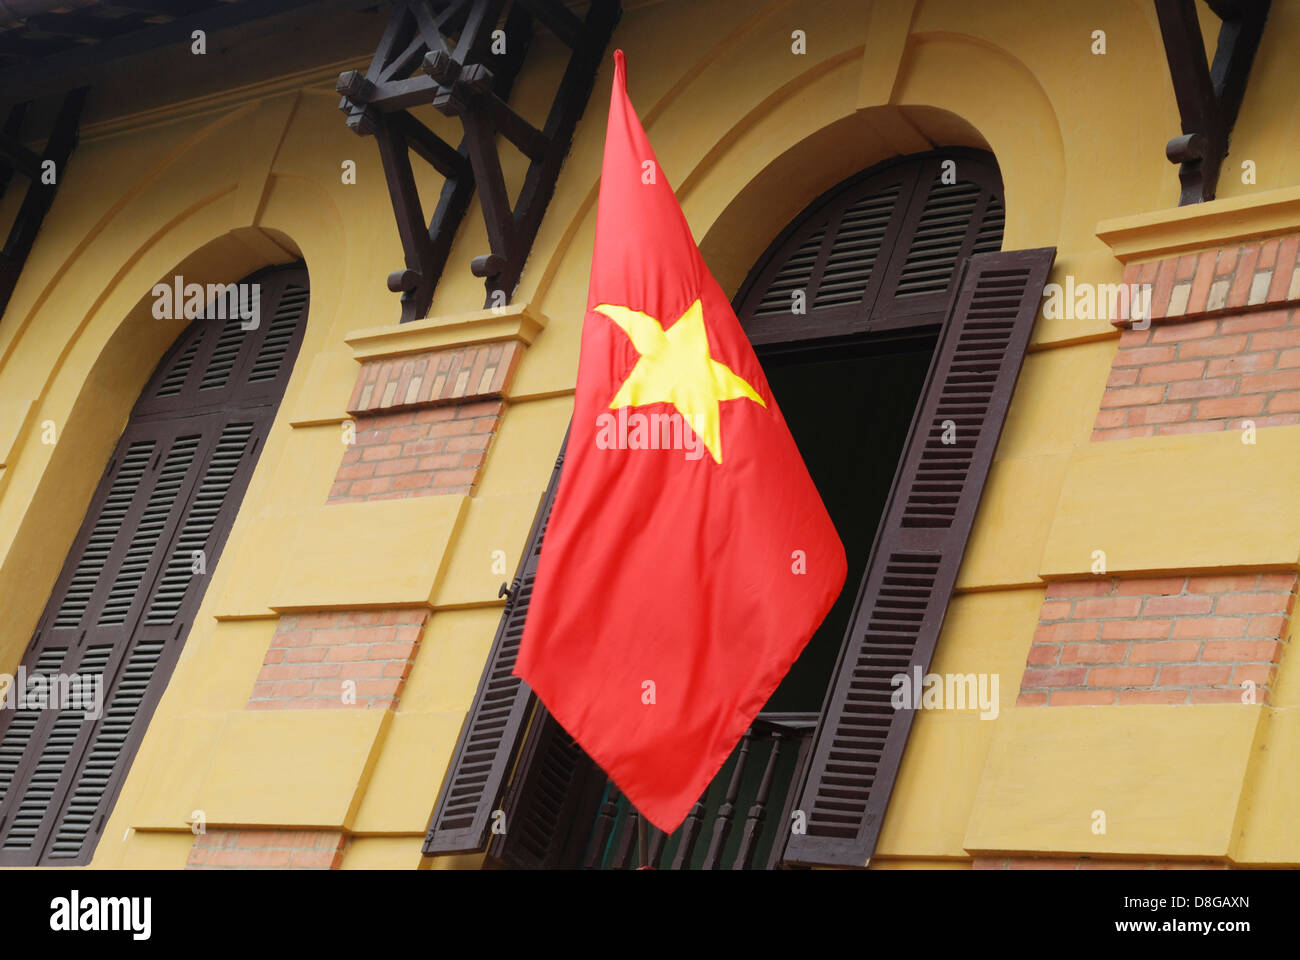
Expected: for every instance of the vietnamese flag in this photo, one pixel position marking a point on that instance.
(689, 557)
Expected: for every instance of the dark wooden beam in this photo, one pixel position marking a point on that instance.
(1234, 54)
(512, 228)
(40, 196)
(412, 52)
(57, 70)
(519, 25)
(430, 147)
(559, 19)
(163, 9)
(453, 204)
(80, 26)
(530, 141)
(27, 50)
(406, 38)
(1228, 9)
(451, 21)
(12, 129)
(1181, 31)
(491, 184)
(475, 38)
(399, 44)
(416, 243)
(377, 103)
(391, 95)
(19, 157)
(570, 102)
(1208, 96)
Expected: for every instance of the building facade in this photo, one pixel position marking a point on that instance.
(1054, 412)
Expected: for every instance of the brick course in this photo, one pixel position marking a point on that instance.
(1162, 640)
(313, 654)
(1257, 275)
(244, 849)
(434, 450)
(434, 377)
(424, 422)
(1223, 346)
(1205, 376)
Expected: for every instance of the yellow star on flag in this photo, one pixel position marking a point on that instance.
(675, 367)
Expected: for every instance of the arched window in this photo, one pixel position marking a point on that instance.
(133, 580)
(891, 330)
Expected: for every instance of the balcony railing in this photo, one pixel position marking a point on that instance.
(738, 822)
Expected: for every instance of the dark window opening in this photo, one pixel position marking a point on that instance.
(850, 418)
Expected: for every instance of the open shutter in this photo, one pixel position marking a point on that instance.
(137, 569)
(495, 723)
(917, 552)
(551, 802)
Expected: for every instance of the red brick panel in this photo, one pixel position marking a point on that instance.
(423, 452)
(1166, 640)
(1223, 346)
(265, 849)
(341, 660)
(1204, 375)
(424, 422)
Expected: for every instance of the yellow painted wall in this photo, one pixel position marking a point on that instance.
(214, 183)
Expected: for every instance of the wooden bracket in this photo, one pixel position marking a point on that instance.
(462, 57)
(1209, 95)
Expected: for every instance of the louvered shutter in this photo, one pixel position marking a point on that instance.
(827, 264)
(94, 620)
(877, 252)
(552, 800)
(945, 223)
(219, 363)
(131, 585)
(914, 562)
(229, 451)
(490, 736)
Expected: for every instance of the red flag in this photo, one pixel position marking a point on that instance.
(689, 558)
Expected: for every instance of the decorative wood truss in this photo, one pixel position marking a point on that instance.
(16, 158)
(462, 57)
(1209, 95)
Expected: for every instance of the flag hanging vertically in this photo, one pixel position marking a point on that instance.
(688, 558)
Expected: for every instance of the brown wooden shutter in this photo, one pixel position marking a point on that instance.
(229, 453)
(876, 252)
(490, 736)
(914, 562)
(833, 253)
(944, 224)
(552, 800)
(129, 589)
